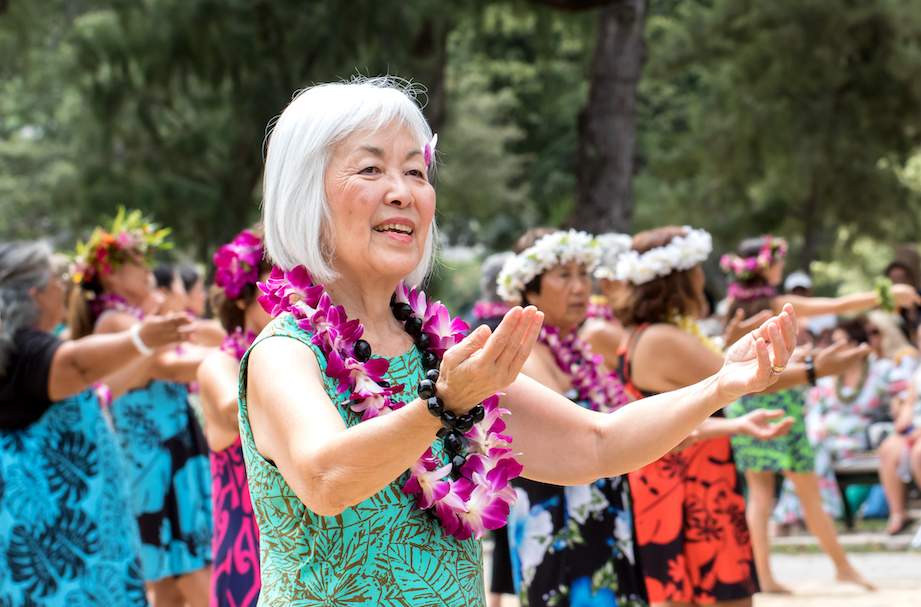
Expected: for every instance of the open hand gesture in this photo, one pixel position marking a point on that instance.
(756, 361)
(487, 362)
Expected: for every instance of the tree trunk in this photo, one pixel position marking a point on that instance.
(607, 124)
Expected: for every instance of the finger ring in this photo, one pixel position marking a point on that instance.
(777, 370)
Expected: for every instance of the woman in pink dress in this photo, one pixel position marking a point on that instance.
(235, 543)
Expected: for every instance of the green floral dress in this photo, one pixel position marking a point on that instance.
(792, 452)
(383, 551)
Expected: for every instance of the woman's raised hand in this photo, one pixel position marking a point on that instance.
(756, 361)
(763, 424)
(905, 296)
(487, 362)
(157, 331)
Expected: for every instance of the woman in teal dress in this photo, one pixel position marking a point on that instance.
(362, 484)
(163, 448)
(67, 536)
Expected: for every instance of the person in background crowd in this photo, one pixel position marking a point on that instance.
(601, 330)
(239, 264)
(900, 453)
(193, 282)
(206, 332)
(841, 409)
(67, 535)
(693, 549)
(161, 441)
(901, 272)
(570, 545)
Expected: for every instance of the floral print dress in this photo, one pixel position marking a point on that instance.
(67, 536)
(383, 551)
(169, 478)
(574, 545)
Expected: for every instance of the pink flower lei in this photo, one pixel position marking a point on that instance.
(483, 310)
(237, 263)
(115, 303)
(237, 343)
(468, 501)
(600, 311)
(603, 391)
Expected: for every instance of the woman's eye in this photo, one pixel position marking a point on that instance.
(415, 173)
(372, 170)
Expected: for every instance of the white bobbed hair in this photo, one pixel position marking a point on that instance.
(295, 211)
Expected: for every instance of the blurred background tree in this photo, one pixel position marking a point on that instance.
(797, 117)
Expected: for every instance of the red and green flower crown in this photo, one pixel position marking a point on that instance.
(130, 234)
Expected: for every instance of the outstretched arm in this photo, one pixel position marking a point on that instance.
(564, 444)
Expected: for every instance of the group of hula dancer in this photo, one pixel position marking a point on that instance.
(333, 436)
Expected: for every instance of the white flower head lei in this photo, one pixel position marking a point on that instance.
(548, 252)
(613, 245)
(682, 253)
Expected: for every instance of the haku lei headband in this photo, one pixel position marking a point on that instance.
(237, 263)
(549, 251)
(682, 253)
(105, 250)
(773, 249)
(613, 245)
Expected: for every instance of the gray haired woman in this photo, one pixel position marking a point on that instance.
(67, 536)
(362, 509)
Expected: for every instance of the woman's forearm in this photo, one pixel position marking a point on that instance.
(77, 364)
(352, 465)
(645, 430)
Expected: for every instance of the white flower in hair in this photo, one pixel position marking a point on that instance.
(612, 246)
(682, 253)
(549, 251)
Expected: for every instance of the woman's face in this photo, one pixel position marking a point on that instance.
(564, 295)
(875, 339)
(132, 280)
(195, 298)
(381, 204)
(174, 298)
(50, 302)
(774, 274)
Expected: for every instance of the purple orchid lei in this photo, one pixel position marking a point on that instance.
(603, 391)
(237, 343)
(737, 292)
(115, 303)
(471, 502)
(237, 263)
(600, 311)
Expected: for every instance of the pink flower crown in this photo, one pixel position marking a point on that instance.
(745, 268)
(237, 263)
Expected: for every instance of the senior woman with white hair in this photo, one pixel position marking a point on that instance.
(67, 536)
(373, 475)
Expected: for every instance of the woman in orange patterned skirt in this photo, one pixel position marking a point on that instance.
(688, 508)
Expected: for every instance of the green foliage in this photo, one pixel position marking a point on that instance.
(780, 117)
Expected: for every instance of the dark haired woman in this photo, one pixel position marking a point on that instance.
(235, 544)
(161, 440)
(689, 512)
(754, 274)
(67, 535)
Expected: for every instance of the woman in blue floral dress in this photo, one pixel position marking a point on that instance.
(67, 536)
(164, 449)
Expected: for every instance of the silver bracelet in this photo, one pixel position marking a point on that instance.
(135, 333)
